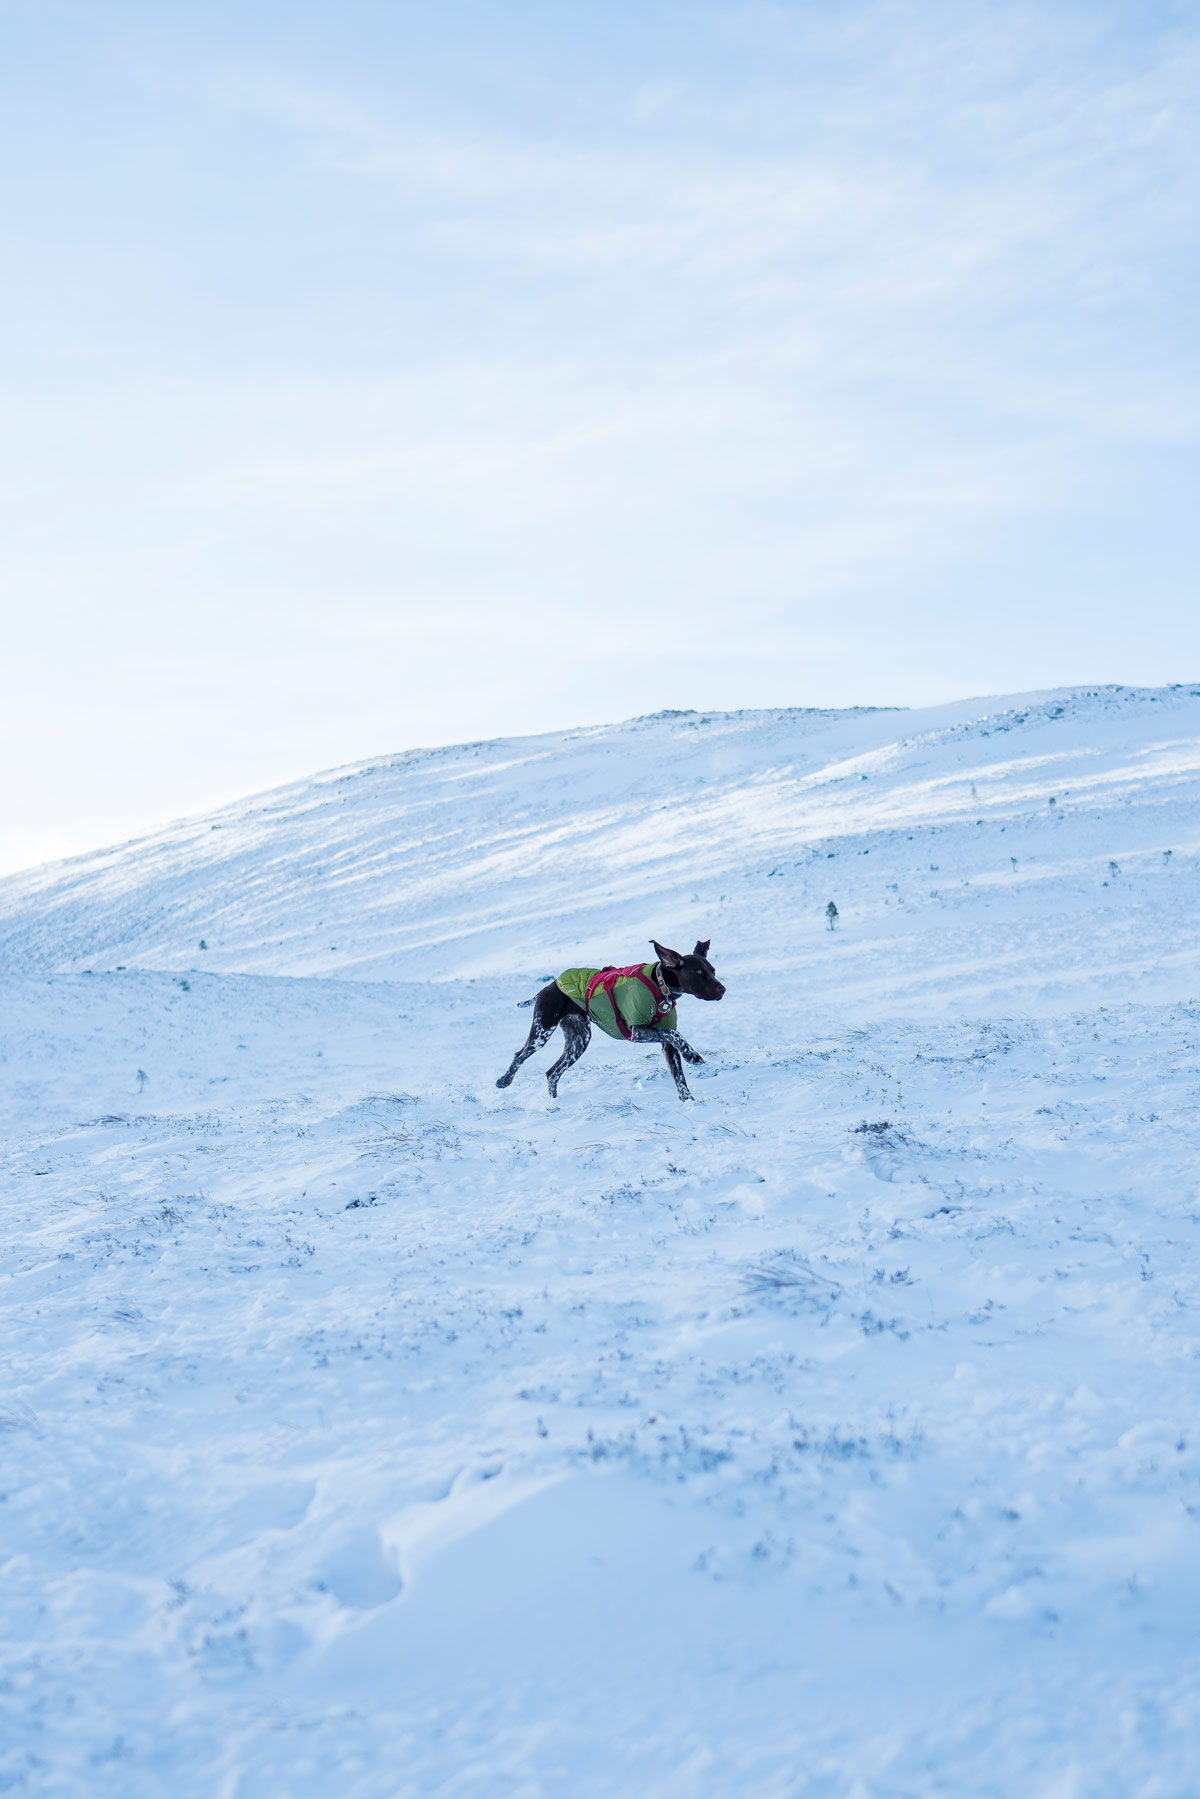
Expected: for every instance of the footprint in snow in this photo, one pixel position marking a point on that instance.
(358, 1572)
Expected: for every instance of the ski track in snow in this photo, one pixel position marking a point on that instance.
(369, 1432)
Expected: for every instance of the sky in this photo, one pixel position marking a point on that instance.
(381, 374)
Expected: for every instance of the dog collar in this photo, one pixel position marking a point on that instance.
(667, 1002)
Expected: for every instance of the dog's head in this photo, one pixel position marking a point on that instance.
(692, 974)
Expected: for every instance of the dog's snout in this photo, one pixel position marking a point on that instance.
(718, 990)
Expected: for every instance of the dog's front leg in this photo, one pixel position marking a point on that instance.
(653, 1033)
(677, 1074)
(672, 1044)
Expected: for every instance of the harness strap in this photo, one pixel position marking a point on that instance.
(607, 978)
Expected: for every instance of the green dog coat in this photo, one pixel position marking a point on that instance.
(621, 999)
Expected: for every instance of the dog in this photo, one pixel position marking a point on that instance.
(583, 996)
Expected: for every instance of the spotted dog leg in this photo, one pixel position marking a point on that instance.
(550, 1008)
(578, 1033)
(653, 1033)
(677, 1074)
(539, 1034)
(673, 1046)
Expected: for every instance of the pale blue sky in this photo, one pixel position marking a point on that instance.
(380, 374)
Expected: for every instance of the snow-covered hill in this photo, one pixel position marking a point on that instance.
(370, 1432)
(501, 857)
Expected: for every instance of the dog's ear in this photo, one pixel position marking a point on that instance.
(670, 958)
(701, 949)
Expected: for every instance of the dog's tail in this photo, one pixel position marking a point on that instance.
(523, 1002)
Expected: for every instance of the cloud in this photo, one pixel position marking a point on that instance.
(984, 203)
(848, 349)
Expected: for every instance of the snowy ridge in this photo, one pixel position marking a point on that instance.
(370, 1432)
(486, 858)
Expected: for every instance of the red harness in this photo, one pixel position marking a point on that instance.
(606, 980)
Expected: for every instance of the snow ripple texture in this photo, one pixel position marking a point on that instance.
(370, 1433)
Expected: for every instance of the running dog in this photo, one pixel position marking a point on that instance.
(636, 1004)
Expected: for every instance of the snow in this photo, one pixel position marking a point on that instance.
(369, 1432)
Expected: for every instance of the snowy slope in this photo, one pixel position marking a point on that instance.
(502, 857)
(369, 1432)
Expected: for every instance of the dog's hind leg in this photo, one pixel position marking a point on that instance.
(578, 1033)
(538, 1035)
(550, 1007)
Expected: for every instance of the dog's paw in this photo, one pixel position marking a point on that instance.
(504, 1081)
